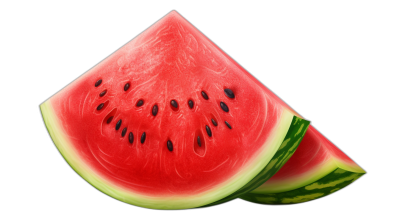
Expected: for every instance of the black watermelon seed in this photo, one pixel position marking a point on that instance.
(224, 107)
(103, 93)
(98, 83)
(227, 124)
(139, 103)
(131, 137)
(124, 132)
(154, 111)
(204, 95)
(100, 106)
(190, 102)
(198, 141)
(214, 122)
(208, 131)
(109, 119)
(170, 146)
(174, 103)
(229, 93)
(143, 137)
(118, 125)
(126, 87)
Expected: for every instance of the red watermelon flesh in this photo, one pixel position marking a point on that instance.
(156, 125)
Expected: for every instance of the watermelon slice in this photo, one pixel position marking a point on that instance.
(317, 168)
(169, 121)
(291, 184)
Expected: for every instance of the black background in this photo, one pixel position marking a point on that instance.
(322, 52)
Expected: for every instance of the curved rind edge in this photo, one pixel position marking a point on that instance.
(69, 156)
(330, 183)
(294, 136)
(102, 184)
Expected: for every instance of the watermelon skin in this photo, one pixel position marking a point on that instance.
(318, 168)
(288, 147)
(148, 175)
(332, 182)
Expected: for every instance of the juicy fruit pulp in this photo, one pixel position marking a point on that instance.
(169, 121)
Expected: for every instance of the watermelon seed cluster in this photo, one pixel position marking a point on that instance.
(229, 93)
(174, 104)
(97, 84)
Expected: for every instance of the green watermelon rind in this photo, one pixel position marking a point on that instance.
(270, 147)
(332, 182)
(289, 145)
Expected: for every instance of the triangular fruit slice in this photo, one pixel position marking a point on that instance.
(171, 122)
(317, 168)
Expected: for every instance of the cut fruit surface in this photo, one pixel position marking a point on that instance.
(169, 121)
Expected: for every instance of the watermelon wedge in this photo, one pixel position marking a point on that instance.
(169, 121)
(325, 166)
(317, 168)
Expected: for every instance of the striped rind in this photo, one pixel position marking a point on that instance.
(332, 182)
(289, 145)
(298, 181)
(223, 190)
